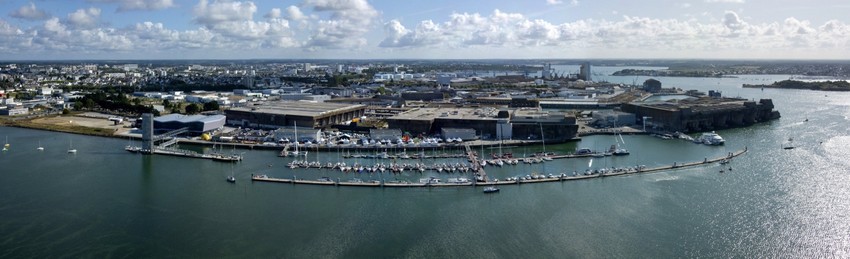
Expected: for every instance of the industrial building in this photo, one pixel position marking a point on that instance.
(702, 114)
(303, 114)
(487, 123)
(611, 118)
(194, 123)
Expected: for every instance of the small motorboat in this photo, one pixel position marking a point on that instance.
(231, 179)
(490, 189)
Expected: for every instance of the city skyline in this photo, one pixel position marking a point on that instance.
(360, 29)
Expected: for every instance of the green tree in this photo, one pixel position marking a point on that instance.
(88, 103)
(211, 106)
(193, 108)
(66, 111)
(166, 103)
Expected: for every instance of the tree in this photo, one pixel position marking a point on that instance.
(381, 90)
(166, 103)
(88, 103)
(65, 111)
(211, 106)
(193, 108)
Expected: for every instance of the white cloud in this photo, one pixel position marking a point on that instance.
(515, 32)
(725, 1)
(559, 2)
(7, 29)
(132, 5)
(273, 14)
(216, 12)
(232, 24)
(294, 13)
(84, 18)
(30, 12)
(349, 21)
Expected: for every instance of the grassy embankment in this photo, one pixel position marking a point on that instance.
(69, 128)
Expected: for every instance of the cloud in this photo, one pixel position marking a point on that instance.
(7, 29)
(559, 2)
(134, 5)
(725, 1)
(232, 24)
(273, 14)
(516, 32)
(348, 22)
(210, 14)
(30, 12)
(294, 13)
(84, 18)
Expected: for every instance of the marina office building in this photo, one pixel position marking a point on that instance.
(194, 123)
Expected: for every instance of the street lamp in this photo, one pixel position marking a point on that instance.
(644, 122)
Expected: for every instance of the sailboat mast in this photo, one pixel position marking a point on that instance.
(295, 127)
(542, 137)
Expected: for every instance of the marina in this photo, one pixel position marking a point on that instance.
(524, 180)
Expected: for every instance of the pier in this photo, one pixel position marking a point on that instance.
(561, 177)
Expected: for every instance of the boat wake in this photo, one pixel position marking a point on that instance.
(666, 178)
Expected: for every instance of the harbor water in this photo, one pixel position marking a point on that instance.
(104, 201)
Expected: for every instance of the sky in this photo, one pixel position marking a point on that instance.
(434, 29)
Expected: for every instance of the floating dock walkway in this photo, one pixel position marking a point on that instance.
(562, 177)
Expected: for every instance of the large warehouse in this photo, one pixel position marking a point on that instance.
(286, 113)
(488, 123)
(195, 123)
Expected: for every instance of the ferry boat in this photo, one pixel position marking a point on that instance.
(711, 138)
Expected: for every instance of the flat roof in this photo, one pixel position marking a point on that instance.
(480, 113)
(300, 108)
(698, 104)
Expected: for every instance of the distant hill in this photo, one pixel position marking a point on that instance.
(794, 84)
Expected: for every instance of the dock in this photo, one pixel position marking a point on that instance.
(185, 153)
(559, 178)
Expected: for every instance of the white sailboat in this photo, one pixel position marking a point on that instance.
(790, 144)
(40, 148)
(6, 146)
(231, 178)
(617, 150)
(71, 148)
(297, 152)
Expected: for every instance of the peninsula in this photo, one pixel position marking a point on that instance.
(794, 84)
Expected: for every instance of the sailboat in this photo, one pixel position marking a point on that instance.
(789, 146)
(71, 147)
(231, 178)
(6, 146)
(617, 150)
(40, 148)
(297, 152)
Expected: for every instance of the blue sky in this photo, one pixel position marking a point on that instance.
(361, 29)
